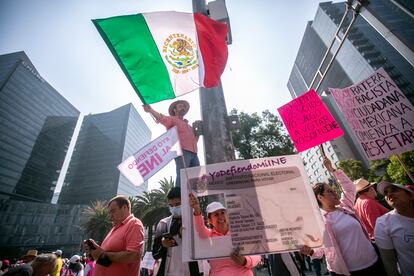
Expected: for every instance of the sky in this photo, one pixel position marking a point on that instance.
(67, 51)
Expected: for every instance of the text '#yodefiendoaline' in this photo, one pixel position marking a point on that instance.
(233, 170)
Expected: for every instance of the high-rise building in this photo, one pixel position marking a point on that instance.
(37, 124)
(104, 141)
(363, 52)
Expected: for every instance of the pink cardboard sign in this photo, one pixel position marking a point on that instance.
(308, 121)
(379, 114)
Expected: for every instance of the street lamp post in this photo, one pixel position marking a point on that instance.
(218, 145)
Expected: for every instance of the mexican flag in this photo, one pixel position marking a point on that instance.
(166, 54)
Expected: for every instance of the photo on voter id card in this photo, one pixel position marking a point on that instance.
(257, 206)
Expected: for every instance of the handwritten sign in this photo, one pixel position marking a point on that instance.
(269, 203)
(308, 121)
(151, 158)
(379, 114)
(148, 261)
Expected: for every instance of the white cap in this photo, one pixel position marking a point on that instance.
(58, 252)
(214, 206)
(384, 184)
(74, 259)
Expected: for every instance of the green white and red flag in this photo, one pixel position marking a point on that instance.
(166, 54)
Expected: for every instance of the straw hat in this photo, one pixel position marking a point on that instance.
(172, 107)
(362, 184)
(214, 206)
(30, 253)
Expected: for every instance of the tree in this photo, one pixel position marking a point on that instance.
(352, 168)
(97, 223)
(260, 136)
(397, 172)
(152, 206)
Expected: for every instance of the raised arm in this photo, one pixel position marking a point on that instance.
(202, 230)
(148, 109)
(348, 187)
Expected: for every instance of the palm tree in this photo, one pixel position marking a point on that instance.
(97, 222)
(152, 206)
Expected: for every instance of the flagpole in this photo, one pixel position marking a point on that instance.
(405, 168)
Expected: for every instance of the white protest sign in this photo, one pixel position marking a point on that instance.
(151, 158)
(269, 202)
(148, 261)
(379, 114)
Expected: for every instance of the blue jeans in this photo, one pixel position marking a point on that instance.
(191, 160)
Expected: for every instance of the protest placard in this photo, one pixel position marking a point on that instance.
(379, 114)
(151, 158)
(308, 121)
(148, 261)
(269, 203)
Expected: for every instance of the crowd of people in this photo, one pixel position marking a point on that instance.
(34, 264)
(361, 236)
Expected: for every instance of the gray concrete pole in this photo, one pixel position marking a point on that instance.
(218, 146)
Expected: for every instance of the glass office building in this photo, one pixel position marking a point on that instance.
(104, 141)
(37, 124)
(363, 52)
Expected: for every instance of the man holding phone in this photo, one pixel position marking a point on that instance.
(120, 252)
(167, 242)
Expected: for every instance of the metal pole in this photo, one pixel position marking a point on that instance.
(389, 36)
(218, 146)
(336, 37)
(405, 168)
(354, 16)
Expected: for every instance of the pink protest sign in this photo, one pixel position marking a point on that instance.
(379, 114)
(308, 121)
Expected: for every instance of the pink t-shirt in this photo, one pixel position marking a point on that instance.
(224, 267)
(127, 236)
(188, 141)
(368, 210)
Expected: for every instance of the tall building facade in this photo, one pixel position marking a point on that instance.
(363, 52)
(37, 124)
(104, 141)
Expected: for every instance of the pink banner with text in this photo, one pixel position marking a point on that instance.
(308, 121)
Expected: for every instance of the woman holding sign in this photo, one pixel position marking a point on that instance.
(219, 226)
(348, 249)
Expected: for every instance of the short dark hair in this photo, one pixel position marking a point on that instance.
(43, 260)
(174, 192)
(318, 189)
(120, 200)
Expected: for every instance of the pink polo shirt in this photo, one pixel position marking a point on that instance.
(368, 210)
(127, 236)
(188, 141)
(224, 267)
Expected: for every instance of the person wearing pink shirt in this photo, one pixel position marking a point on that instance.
(236, 265)
(366, 207)
(120, 252)
(347, 248)
(188, 140)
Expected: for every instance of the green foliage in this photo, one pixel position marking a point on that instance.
(396, 171)
(382, 169)
(353, 169)
(260, 136)
(152, 206)
(378, 171)
(97, 222)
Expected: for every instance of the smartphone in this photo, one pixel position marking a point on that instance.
(105, 261)
(169, 237)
